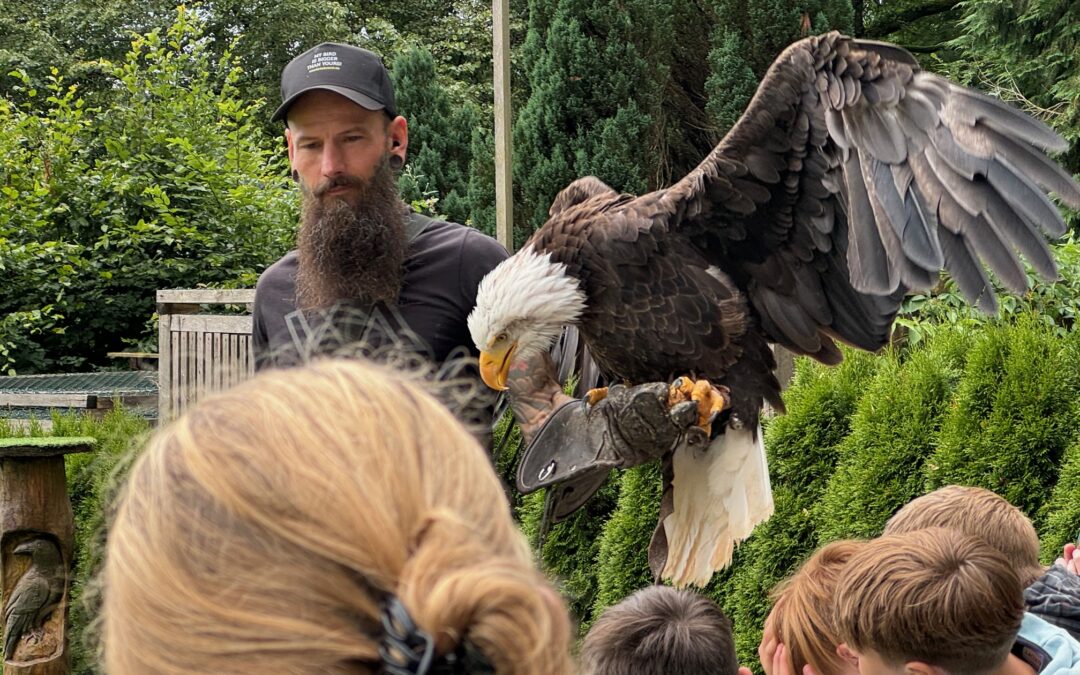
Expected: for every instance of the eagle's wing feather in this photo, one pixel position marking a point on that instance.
(853, 177)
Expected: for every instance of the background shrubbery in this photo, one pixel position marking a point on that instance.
(171, 185)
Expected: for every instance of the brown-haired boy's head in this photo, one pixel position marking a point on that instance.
(660, 631)
(980, 513)
(929, 601)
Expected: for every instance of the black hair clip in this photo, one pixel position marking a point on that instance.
(405, 649)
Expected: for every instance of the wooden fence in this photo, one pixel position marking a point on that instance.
(200, 352)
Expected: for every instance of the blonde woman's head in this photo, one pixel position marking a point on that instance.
(263, 531)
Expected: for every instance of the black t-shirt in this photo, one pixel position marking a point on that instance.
(443, 268)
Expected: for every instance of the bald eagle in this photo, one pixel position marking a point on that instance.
(852, 178)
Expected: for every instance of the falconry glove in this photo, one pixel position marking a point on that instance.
(579, 443)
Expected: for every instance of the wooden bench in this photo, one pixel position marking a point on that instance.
(200, 352)
(137, 360)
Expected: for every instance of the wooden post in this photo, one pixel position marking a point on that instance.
(36, 544)
(504, 201)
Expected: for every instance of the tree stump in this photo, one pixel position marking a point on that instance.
(37, 538)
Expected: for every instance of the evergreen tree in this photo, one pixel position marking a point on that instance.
(730, 77)
(575, 91)
(748, 37)
(893, 431)
(481, 190)
(1027, 53)
(1014, 415)
(568, 551)
(623, 566)
(440, 135)
(1061, 512)
(610, 95)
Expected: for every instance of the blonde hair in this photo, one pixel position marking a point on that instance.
(260, 531)
(936, 595)
(802, 614)
(980, 513)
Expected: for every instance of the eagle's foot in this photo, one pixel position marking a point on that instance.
(711, 400)
(594, 396)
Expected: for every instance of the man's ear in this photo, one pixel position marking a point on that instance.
(289, 145)
(397, 132)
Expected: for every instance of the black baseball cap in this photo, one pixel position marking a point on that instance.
(355, 73)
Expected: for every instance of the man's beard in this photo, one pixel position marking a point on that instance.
(353, 254)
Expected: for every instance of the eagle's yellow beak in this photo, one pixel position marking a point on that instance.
(495, 365)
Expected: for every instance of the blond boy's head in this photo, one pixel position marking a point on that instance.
(980, 513)
(933, 598)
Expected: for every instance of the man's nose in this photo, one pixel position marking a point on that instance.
(333, 160)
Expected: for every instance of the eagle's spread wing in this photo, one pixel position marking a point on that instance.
(852, 177)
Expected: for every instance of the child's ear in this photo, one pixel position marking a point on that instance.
(920, 668)
(851, 657)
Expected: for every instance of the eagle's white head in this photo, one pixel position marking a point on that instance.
(521, 308)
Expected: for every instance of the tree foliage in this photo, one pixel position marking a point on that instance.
(610, 95)
(171, 185)
(440, 136)
(1029, 54)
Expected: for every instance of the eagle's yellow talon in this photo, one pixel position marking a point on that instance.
(711, 400)
(594, 396)
(680, 391)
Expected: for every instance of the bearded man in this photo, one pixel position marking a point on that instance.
(362, 256)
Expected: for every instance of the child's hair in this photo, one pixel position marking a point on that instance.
(270, 527)
(936, 595)
(802, 616)
(980, 513)
(660, 631)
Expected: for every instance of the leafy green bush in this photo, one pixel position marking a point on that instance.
(569, 550)
(622, 562)
(170, 185)
(1051, 303)
(1061, 511)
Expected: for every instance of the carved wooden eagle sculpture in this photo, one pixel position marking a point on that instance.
(851, 178)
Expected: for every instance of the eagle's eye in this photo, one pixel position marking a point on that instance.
(501, 337)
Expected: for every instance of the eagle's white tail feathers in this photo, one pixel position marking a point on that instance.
(720, 494)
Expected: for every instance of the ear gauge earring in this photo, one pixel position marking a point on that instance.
(396, 162)
(296, 175)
